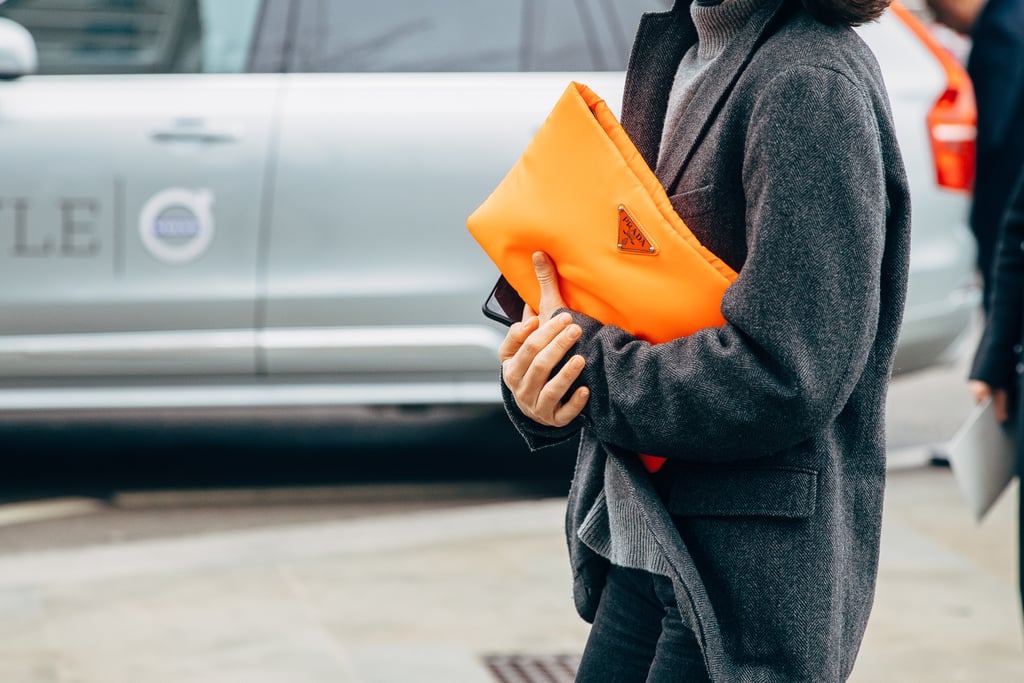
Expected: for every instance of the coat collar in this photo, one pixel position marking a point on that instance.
(662, 40)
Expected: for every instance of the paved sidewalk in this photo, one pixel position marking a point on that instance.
(946, 608)
(422, 598)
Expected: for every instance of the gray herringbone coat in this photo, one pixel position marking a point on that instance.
(786, 166)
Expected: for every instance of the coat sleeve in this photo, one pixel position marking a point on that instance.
(536, 435)
(802, 315)
(997, 355)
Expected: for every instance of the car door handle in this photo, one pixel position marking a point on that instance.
(201, 136)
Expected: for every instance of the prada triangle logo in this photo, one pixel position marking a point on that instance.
(632, 239)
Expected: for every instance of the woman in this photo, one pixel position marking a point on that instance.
(997, 368)
(752, 554)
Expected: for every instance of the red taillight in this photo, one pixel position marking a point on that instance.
(953, 120)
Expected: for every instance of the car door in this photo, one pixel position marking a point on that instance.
(399, 119)
(132, 188)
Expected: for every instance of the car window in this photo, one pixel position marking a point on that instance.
(467, 35)
(138, 36)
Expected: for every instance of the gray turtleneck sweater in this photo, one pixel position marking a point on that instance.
(716, 22)
(612, 527)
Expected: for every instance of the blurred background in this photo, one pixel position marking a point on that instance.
(250, 426)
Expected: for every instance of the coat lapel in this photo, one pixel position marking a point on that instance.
(713, 89)
(661, 41)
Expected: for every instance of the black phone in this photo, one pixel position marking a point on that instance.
(504, 303)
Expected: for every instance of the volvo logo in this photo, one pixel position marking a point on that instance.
(176, 225)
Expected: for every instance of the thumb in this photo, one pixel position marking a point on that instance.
(546, 275)
(547, 278)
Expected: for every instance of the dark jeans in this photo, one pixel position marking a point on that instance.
(638, 634)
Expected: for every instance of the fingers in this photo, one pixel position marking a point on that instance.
(999, 404)
(528, 364)
(979, 390)
(546, 406)
(516, 335)
(1000, 398)
(552, 392)
(568, 411)
(564, 413)
(547, 356)
(516, 365)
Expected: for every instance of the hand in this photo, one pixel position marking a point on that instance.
(531, 350)
(981, 391)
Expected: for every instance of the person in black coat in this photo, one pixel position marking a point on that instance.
(996, 68)
(998, 365)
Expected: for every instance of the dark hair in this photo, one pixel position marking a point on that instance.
(849, 12)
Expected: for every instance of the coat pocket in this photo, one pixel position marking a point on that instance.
(787, 492)
(696, 202)
(770, 564)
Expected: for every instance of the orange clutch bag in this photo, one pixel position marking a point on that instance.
(582, 193)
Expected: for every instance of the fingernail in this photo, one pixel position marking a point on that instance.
(538, 258)
(565, 318)
(574, 331)
(584, 393)
(577, 363)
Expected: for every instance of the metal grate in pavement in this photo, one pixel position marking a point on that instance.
(533, 668)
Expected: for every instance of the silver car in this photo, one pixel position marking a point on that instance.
(262, 203)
